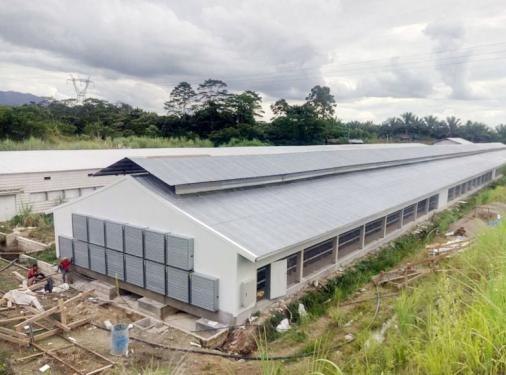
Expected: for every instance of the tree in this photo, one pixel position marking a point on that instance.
(323, 102)
(181, 101)
(453, 124)
(280, 108)
(212, 92)
(245, 106)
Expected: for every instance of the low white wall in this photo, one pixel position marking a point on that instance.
(27, 245)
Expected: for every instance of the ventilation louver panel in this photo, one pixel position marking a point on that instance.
(154, 246)
(79, 227)
(115, 266)
(81, 256)
(133, 240)
(96, 233)
(97, 259)
(114, 236)
(155, 276)
(66, 247)
(178, 284)
(204, 291)
(134, 270)
(179, 252)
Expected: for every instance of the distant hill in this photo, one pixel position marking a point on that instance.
(18, 98)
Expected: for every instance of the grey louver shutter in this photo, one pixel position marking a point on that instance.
(96, 231)
(81, 257)
(114, 236)
(133, 240)
(179, 252)
(115, 266)
(178, 284)
(154, 246)
(204, 291)
(66, 247)
(97, 258)
(155, 277)
(134, 270)
(79, 227)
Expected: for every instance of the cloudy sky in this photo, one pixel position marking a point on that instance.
(380, 58)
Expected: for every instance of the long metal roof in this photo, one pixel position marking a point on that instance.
(12, 162)
(197, 174)
(266, 220)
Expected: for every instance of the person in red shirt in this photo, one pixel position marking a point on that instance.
(64, 267)
(34, 275)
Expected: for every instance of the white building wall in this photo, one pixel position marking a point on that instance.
(131, 203)
(44, 190)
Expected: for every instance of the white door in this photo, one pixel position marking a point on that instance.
(278, 279)
(7, 207)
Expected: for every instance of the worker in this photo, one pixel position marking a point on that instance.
(34, 275)
(64, 268)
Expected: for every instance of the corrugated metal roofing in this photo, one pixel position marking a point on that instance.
(199, 170)
(265, 220)
(64, 160)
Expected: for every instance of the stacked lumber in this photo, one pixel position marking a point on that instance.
(52, 322)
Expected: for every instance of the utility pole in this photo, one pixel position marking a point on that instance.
(80, 86)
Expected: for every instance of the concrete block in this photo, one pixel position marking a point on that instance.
(103, 290)
(154, 308)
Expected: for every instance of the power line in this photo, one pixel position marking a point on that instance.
(81, 87)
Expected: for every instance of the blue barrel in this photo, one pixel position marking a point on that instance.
(119, 339)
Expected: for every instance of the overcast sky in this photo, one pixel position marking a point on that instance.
(380, 58)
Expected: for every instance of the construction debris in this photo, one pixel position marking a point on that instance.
(22, 298)
(401, 277)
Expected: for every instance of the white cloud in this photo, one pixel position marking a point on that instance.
(379, 58)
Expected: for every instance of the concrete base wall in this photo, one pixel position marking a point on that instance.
(220, 316)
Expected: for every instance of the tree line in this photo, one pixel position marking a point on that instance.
(210, 111)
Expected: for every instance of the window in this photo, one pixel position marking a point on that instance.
(433, 202)
(421, 208)
(292, 269)
(263, 283)
(71, 193)
(318, 256)
(47, 178)
(451, 194)
(349, 242)
(408, 215)
(393, 222)
(374, 230)
(38, 197)
(55, 195)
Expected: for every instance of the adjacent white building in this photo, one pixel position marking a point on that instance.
(453, 141)
(224, 236)
(43, 179)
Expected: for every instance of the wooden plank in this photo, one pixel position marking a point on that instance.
(58, 359)
(18, 276)
(35, 355)
(45, 335)
(8, 265)
(100, 369)
(15, 319)
(90, 350)
(14, 340)
(53, 309)
(11, 332)
(78, 323)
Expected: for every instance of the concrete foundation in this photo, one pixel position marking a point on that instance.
(154, 308)
(104, 291)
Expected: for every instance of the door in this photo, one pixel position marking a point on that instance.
(278, 279)
(7, 207)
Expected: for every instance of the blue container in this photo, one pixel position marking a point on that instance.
(119, 339)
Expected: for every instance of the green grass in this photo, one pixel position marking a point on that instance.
(452, 323)
(48, 255)
(85, 143)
